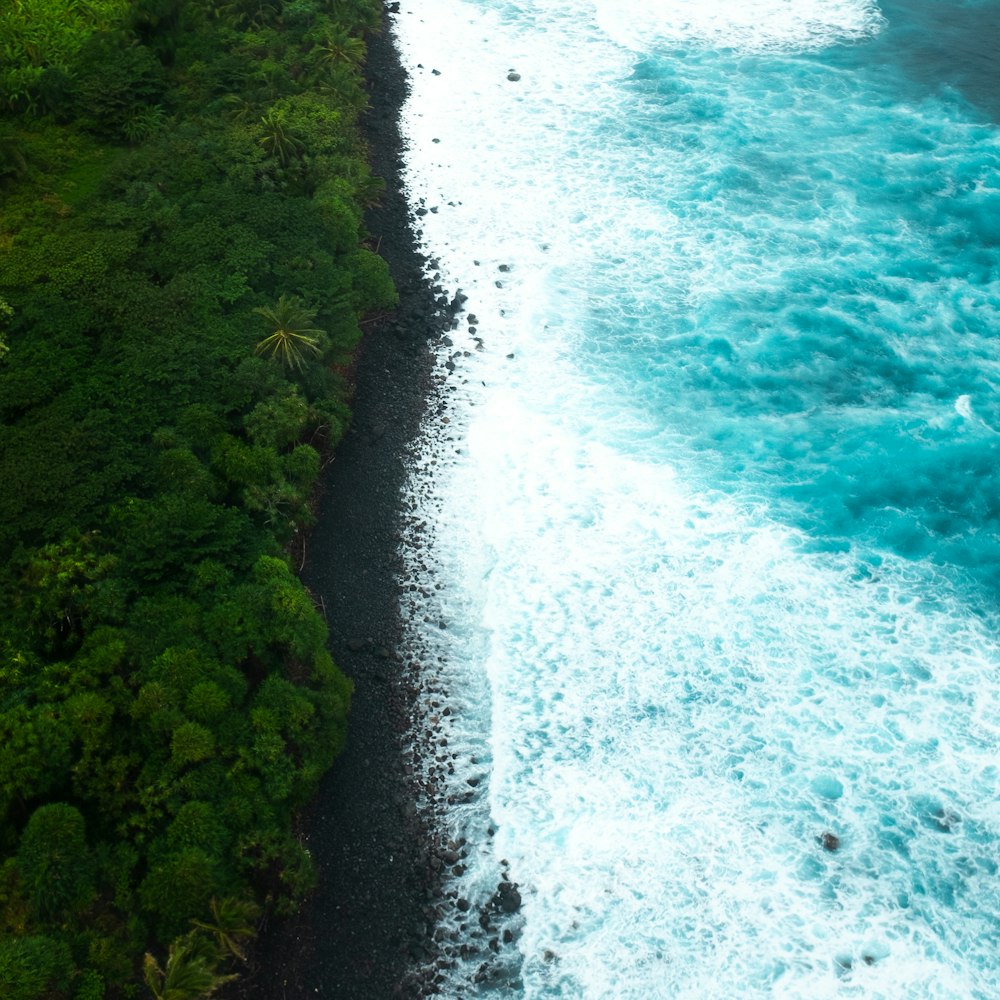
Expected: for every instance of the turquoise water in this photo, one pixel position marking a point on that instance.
(839, 353)
(715, 517)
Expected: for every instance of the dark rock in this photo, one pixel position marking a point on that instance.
(464, 905)
(830, 841)
(507, 897)
(513, 77)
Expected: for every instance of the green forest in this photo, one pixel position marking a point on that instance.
(184, 278)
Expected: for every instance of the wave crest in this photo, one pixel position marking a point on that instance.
(746, 25)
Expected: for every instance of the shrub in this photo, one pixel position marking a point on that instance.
(178, 887)
(56, 865)
(30, 966)
(90, 986)
(117, 85)
(191, 743)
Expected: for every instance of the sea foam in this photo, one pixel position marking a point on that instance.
(752, 26)
(704, 553)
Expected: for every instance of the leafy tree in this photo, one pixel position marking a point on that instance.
(278, 421)
(57, 585)
(35, 753)
(120, 89)
(55, 862)
(31, 965)
(191, 743)
(179, 885)
(13, 163)
(90, 987)
(37, 34)
(373, 288)
(207, 702)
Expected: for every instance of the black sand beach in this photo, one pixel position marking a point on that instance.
(370, 921)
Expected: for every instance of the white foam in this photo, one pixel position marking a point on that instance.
(670, 691)
(682, 702)
(648, 645)
(746, 25)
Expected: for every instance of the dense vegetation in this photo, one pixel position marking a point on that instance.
(183, 276)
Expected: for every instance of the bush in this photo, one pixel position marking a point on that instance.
(56, 865)
(117, 85)
(31, 966)
(90, 986)
(191, 743)
(179, 887)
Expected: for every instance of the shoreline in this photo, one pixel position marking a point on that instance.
(366, 932)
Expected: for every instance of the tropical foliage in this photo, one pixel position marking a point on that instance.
(293, 335)
(182, 278)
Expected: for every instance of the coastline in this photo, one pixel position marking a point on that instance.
(365, 933)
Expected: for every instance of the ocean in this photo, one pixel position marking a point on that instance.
(706, 542)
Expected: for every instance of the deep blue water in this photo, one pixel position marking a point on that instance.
(718, 507)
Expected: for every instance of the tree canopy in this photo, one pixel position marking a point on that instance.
(183, 272)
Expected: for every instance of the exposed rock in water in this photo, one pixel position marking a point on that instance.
(507, 897)
(830, 841)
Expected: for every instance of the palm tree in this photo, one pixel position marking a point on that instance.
(190, 973)
(293, 331)
(342, 47)
(239, 107)
(232, 922)
(277, 140)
